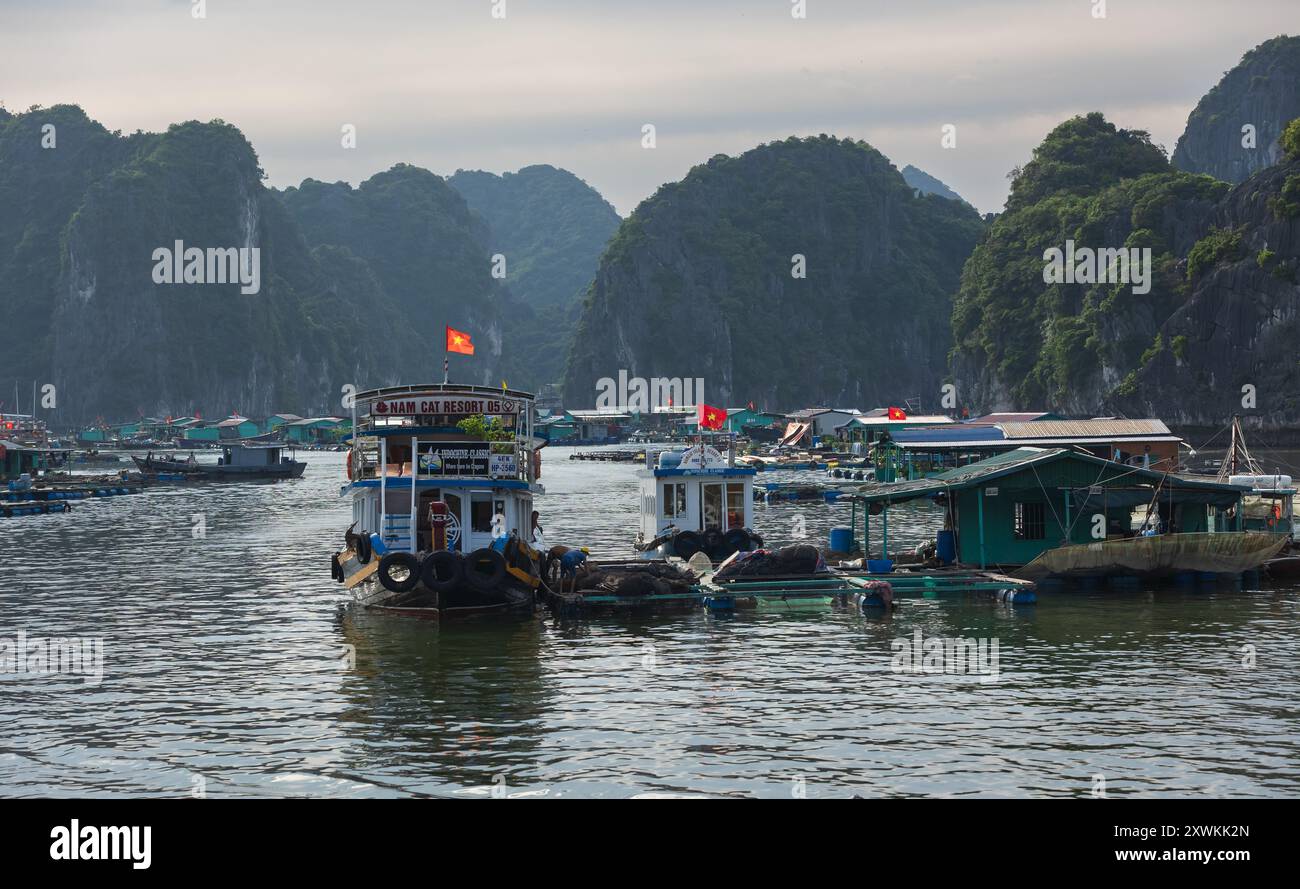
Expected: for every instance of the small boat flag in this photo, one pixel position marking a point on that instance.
(897, 413)
(711, 417)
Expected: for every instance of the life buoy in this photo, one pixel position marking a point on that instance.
(481, 559)
(399, 560)
(1275, 516)
(442, 570)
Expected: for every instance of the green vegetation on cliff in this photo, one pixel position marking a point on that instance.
(1020, 341)
(702, 280)
(550, 227)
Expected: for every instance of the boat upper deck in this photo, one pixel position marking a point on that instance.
(443, 432)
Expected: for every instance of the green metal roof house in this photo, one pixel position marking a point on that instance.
(1009, 508)
(275, 421)
(316, 429)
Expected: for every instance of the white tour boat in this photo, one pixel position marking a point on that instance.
(442, 479)
(696, 501)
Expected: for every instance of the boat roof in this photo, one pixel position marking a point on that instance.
(976, 474)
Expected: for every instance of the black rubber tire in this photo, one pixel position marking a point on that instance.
(364, 551)
(713, 542)
(404, 560)
(485, 581)
(442, 570)
(687, 544)
(737, 541)
(336, 570)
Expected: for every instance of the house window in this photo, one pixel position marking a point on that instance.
(1030, 521)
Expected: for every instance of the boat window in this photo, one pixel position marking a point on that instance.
(480, 515)
(674, 500)
(1030, 521)
(735, 506)
(710, 507)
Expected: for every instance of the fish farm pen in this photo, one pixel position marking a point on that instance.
(862, 589)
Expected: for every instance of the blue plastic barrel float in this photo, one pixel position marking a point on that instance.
(841, 540)
(945, 546)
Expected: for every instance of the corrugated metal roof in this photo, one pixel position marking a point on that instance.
(1082, 428)
(953, 433)
(1007, 417)
(919, 420)
(975, 474)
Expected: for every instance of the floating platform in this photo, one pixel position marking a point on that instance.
(74, 490)
(862, 590)
(623, 456)
(11, 509)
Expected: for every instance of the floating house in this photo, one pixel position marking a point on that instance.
(1078, 512)
(738, 419)
(316, 430)
(870, 428)
(235, 427)
(920, 450)
(277, 421)
(598, 427)
(824, 421)
(556, 427)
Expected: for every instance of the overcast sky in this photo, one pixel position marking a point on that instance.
(443, 84)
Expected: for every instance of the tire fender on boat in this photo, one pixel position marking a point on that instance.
(687, 544)
(363, 549)
(475, 563)
(442, 570)
(737, 540)
(404, 560)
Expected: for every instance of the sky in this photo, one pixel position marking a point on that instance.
(450, 84)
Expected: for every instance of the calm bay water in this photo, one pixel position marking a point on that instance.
(233, 664)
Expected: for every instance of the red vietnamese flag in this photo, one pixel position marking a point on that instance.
(710, 417)
(897, 413)
(459, 341)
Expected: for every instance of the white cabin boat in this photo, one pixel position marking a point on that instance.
(694, 501)
(442, 479)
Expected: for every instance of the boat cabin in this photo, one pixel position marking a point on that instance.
(242, 456)
(443, 466)
(695, 490)
(1268, 503)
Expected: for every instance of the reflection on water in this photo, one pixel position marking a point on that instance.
(232, 664)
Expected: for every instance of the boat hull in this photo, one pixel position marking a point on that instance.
(463, 599)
